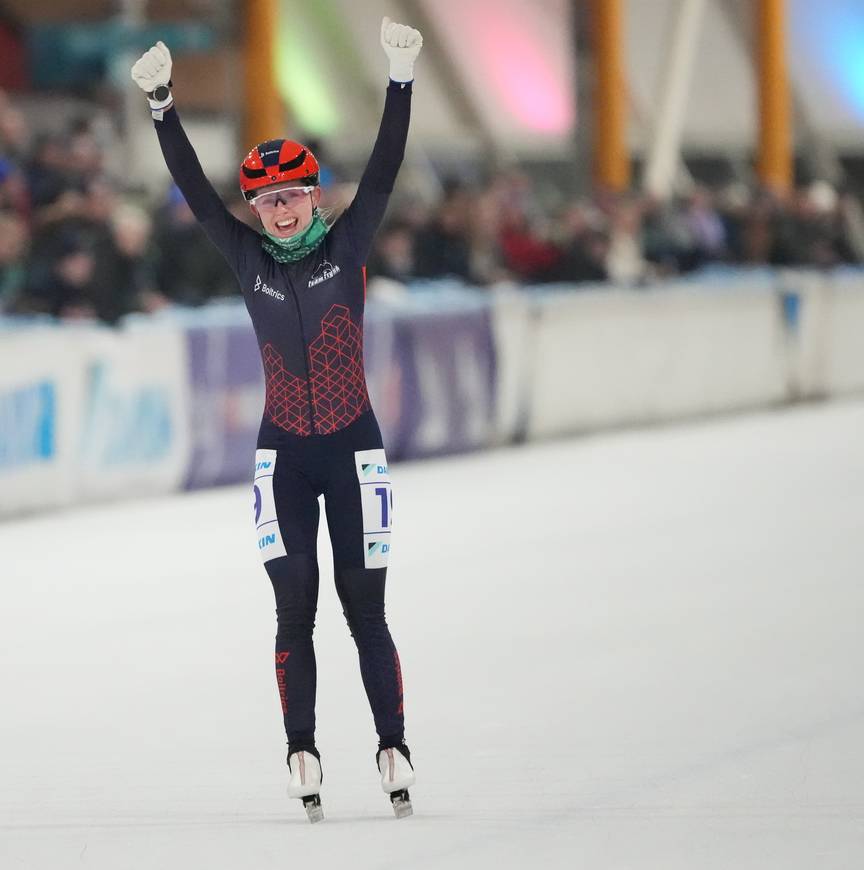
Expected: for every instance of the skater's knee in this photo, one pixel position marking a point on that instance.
(366, 624)
(293, 623)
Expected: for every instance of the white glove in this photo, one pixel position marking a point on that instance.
(402, 44)
(152, 70)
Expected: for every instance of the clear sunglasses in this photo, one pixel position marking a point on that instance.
(289, 195)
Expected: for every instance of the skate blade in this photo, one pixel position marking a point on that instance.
(314, 810)
(402, 804)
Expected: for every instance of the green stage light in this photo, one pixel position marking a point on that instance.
(298, 72)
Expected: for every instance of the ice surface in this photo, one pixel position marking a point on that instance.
(639, 650)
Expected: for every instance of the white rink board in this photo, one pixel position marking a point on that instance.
(845, 346)
(646, 653)
(613, 357)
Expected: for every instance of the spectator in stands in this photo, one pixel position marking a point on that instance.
(526, 254)
(625, 262)
(816, 232)
(706, 234)
(524, 234)
(48, 176)
(14, 131)
(442, 249)
(13, 189)
(759, 234)
(13, 249)
(52, 189)
(123, 279)
(81, 211)
(733, 203)
(67, 291)
(487, 259)
(187, 273)
(393, 253)
(583, 247)
(84, 157)
(849, 218)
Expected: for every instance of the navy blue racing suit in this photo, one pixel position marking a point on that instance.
(318, 434)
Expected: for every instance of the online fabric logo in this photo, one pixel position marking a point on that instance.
(28, 417)
(323, 273)
(260, 285)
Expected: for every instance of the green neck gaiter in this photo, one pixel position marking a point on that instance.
(294, 249)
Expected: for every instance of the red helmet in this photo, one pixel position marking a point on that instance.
(275, 161)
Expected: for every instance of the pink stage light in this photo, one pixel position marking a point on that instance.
(524, 77)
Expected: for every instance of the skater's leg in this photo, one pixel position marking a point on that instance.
(287, 509)
(360, 572)
(361, 592)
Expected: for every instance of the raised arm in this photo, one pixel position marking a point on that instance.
(361, 219)
(152, 73)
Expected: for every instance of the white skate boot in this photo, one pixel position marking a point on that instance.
(397, 775)
(305, 782)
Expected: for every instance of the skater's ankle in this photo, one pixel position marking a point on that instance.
(394, 741)
(303, 745)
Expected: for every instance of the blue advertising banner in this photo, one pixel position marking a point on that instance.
(133, 435)
(27, 424)
(40, 400)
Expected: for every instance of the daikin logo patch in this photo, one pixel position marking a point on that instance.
(260, 285)
(268, 534)
(323, 273)
(377, 547)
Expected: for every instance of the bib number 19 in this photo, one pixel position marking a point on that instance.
(386, 497)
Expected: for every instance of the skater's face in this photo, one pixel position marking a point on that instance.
(286, 209)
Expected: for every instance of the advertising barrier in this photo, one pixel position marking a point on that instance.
(227, 398)
(174, 401)
(618, 357)
(134, 436)
(383, 372)
(41, 396)
(446, 364)
(515, 323)
(844, 345)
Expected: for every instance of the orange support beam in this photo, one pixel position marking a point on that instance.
(611, 157)
(775, 158)
(264, 118)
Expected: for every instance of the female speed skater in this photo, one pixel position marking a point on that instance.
(303, 283)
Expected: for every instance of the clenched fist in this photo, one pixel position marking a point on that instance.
(153, 68)
(402, 44)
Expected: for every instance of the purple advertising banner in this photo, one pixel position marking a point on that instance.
(383, 375)
(446, 369)
(431, 378)
(227, 388)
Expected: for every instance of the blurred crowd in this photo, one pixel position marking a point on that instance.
(75, 244)
(499, 231)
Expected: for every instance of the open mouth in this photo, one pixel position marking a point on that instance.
(287, 225)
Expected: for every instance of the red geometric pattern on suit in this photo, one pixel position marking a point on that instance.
(336, 374)
(336, 371)
(287, 402)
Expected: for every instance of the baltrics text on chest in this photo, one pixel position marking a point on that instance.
(323, 273)
(264, 288)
